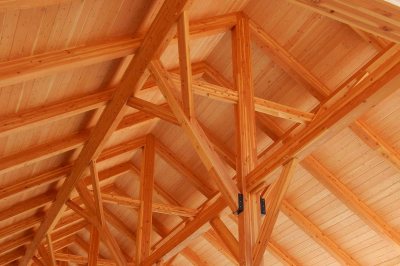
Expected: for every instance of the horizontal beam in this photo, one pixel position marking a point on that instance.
(223, 94)
(157, 207)
(31, 67)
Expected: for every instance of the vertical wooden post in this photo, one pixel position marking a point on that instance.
(143, 234)
(246, 130)
(94, 246)
(185, 64)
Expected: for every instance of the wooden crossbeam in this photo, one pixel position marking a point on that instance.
(315, 233)
(274, 202)
(264, 106)
(27, 4)
(226, 236)
(245, 131)
(348, 198)
(161, 111)
(289, 63)
(213, 163)
(337, 113)
(40, 65)
(376, 142)
(155, 41)
(359, 14)
(120, 200)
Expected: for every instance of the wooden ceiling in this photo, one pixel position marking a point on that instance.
(129, 130)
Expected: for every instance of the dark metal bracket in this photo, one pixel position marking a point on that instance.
(240, 204)
(263, 210)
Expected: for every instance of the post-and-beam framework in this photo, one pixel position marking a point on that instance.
(387, 77)
(153, 43)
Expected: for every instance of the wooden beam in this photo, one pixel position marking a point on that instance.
(263, 106)
(245, 131)
(208, 212)
(376, 142)
(118, 199)
(185, 65)
(348, 198)
(375, 41)
(27, 4)
(94, 246)
(31, 67)
(213, 163)
(160, 111)
(315, 233)
(50, 250)
(274, 203)
(82, 260)
(373, 16)
(215, 240)
(95, 180)
(289, 63)
(144, 227)
(281, 254)
(155, 40)
(47, 150)
(178, 165)
(226, 236)
(337, 113)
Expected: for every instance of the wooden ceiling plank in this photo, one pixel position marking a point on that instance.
(289, 63)
(226, 236)
(213, 163)
(94, 246)
(28, 4)
(359, 15)
(119, 225)
(185, 65)
(348, 198)
(208, 212)
(274, 203)
(376, 142)
(344, 106)
(31, 67)
(145, 213)
(245, 133)
(172, 159)
(315, 233)
(162, 111)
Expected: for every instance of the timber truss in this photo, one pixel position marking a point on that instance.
(79, 203)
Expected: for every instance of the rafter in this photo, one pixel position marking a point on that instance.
(315, 233)
(348, 198)
(376, 142)
(40, 65)
(275, 199)
(359, 14)
(338, 112)
(289, 63)
(161, 111)
(226, 236)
